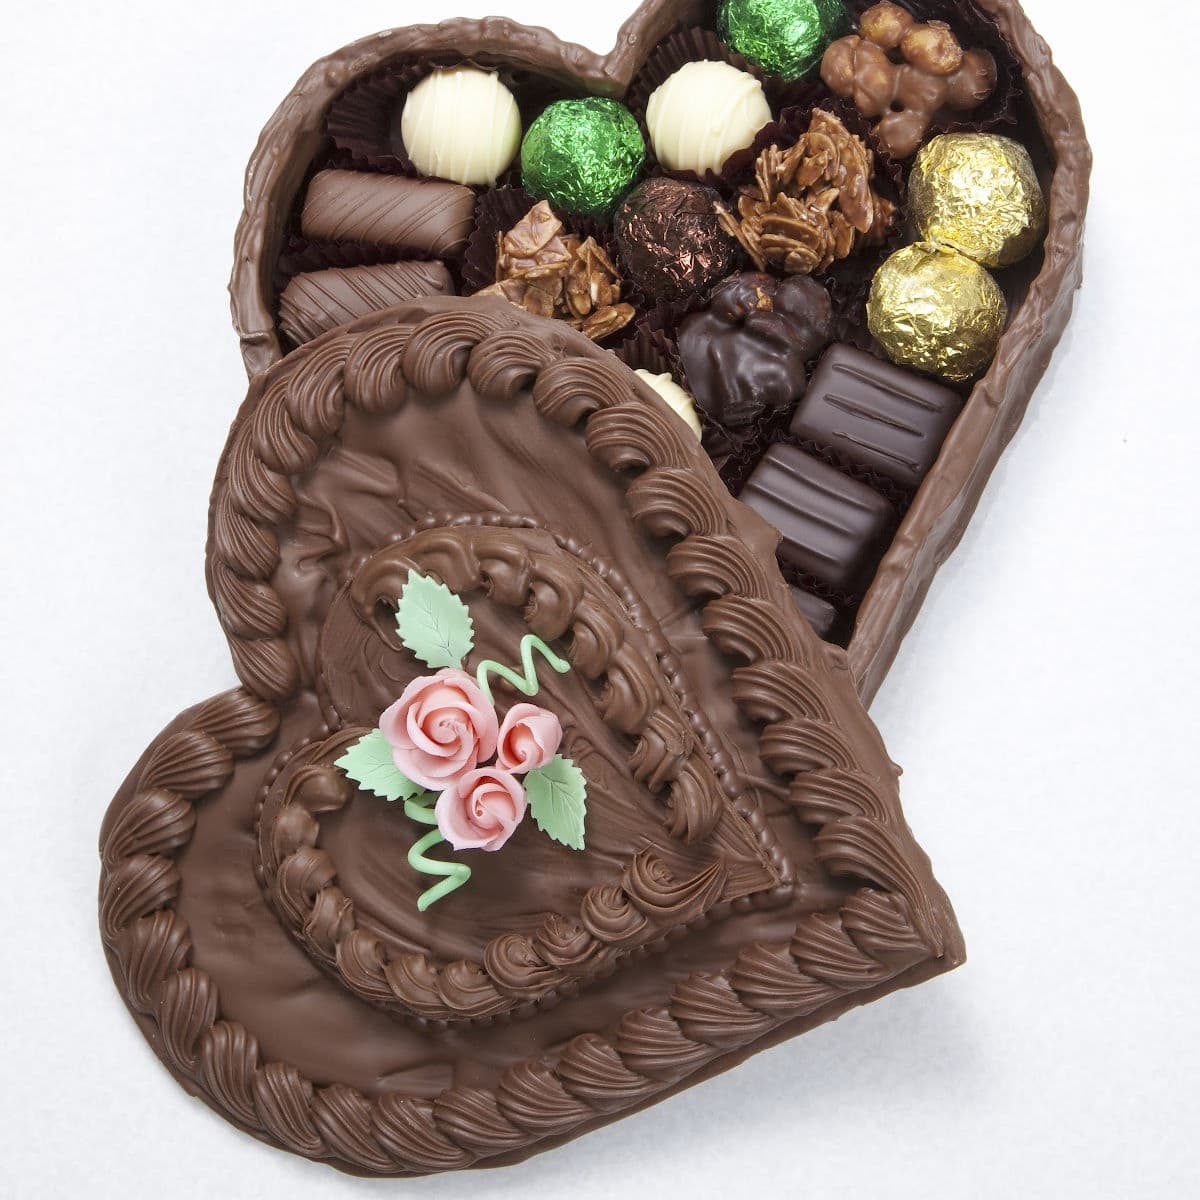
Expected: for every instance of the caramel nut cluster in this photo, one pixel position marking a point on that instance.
(899, 73)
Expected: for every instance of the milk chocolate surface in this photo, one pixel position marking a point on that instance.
(389, 210)
(317, 301)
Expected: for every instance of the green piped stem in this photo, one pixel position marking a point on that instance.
(453, 874)
(526, 684)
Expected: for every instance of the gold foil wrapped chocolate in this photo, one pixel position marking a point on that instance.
(937, 310)
(978, 193)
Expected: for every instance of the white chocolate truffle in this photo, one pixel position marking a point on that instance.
(677, 399)
(462, 124)
(704, 113)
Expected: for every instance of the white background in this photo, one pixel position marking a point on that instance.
(1044, 707)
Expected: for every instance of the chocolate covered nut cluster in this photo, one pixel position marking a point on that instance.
(902, 73)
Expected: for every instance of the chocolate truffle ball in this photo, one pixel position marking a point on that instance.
(677, 400)
(746, 355)
(704, 113)
(461, 124)
(671, 240)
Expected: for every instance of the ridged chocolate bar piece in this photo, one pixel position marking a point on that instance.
(389, 210)
(319, 301)
(834, 529)
(875, 415)
(820, 614)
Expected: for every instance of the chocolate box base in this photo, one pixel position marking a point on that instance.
(935, 523)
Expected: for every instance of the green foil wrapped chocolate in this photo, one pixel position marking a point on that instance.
(784, 37)
(582, 155)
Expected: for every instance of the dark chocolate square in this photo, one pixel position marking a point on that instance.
(820, 614)
(834, 529)
(875, 415)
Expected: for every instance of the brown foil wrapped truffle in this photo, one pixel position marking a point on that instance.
(671, 238)
(903, 97)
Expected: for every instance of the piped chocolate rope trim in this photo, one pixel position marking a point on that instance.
(829, 956)
(636, 911)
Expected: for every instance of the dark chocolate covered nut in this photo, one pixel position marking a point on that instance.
(832, 528)
(746, 355)
(319, 301)
(389, 210)
(875, 415)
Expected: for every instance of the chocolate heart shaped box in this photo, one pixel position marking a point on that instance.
(342, 113)
(548, 790)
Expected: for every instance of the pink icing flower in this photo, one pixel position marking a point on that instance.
(482, 810)
(440, 729)
(529, 738)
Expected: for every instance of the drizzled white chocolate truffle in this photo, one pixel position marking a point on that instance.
(677, 399)
(461, 124)
(704, 113)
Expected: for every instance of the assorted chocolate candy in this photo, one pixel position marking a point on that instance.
(736, 222)
(745, 354)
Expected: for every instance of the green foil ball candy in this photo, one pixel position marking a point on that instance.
(784, 37)
(582, 155)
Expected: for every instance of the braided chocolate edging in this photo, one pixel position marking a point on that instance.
(888, 926)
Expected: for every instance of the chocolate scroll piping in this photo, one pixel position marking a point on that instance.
(889, 926)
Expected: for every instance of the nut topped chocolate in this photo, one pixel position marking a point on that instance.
(746, 355)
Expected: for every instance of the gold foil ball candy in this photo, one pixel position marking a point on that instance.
(980, 194)
(461, 124)
(937, 310)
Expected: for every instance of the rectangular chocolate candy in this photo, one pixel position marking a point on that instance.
(389, 210)
(834, 529)
(321, 300)
(820, 614)
(875, 415)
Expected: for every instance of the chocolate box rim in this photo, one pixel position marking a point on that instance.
(939, 516)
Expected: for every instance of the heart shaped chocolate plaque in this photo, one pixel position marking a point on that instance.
(448, 534)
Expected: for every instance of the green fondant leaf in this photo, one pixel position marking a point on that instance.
(558, 800)
(434, 623)
(369, 763)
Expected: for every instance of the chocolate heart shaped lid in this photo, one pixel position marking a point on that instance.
(449, 534)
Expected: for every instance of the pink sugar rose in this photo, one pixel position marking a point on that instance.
(440, 729)
(481, 810)
(529, 738)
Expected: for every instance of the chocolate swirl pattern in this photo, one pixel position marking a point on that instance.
(862, 914)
